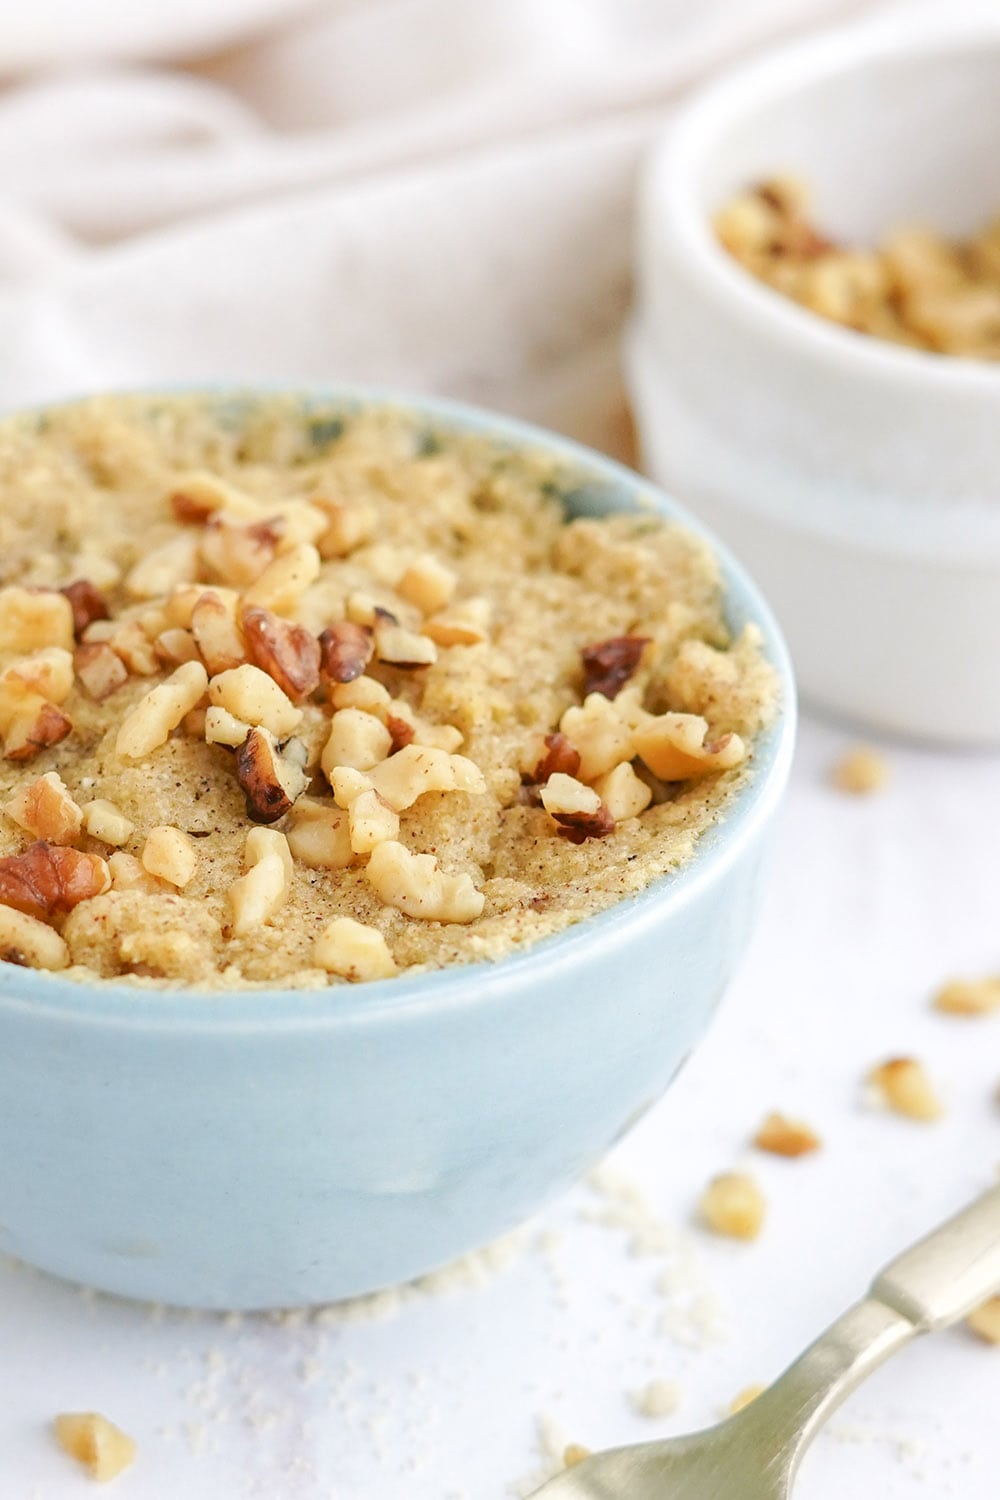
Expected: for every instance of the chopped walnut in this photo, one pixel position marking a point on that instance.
(371, 821)
(365, 693)
(623, 793)
(573, 1454)
(861, 771)
(103, 821)
(414, 884)
(216, 631)
(608, 665)
(354, 951)
(733, 1205)
(903, 1084)
(46, 880)
(969, 997)
(555, 753)
(675, 747)
(259, 894)
(101, 1447)
(150, 722)
(127, 874)
(345, 651)
(175, 646)
(357, 739)
(320, 836)
(164, 568)
(33, 618)
(599, 734)
(251, 695)
(464, 624)
(287, 652)
(417, 769)
(402, 732)
(576, 808)
(100, 669)
(271, 780)
(239, 554)
(198, 495)
(347, 527)
(223, 728)
(285, 580)
(169, 854)
(130, 641)
(784, 1137)
(400, 647)
(427, 583)
(34, 726)
(87, 603)
(984, 1321)
(45, 809)
(48, 672)
(29, 942)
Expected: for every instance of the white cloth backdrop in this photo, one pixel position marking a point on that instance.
(432, 194)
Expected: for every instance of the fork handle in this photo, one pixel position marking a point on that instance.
(943, 1277)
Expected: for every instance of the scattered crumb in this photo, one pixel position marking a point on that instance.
(101, 1447)
(574, 1454)
(903, 1084)
(658, 1398)
(744, 1397)
(860, 771)
(733, 1205)
(968, 997)
(784, 1137)
(985, 1321)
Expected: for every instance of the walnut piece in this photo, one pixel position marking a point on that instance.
(345, 651)
(287, 652)
(46, 880)
(608, 665)
(48, 672)
(969, 997)
(576, 808)
(399, 647)
(149, 723)
(573, 1454)
(354, 951)
(45, 809)
(984, 1321)
(271, 780)
(464, 624)
(26, 941)
(101, 1447)
(239, 554)
(33, 618)
(170, 855)
(347, 526)
(356, 739)
(251, 695)
(599, 734)
(100, 669)
(216, 632)
(223, 728)
(905, 1087)
(259, 894)
(733, 1205)
(427, 583)
(861, 771)
(164, 568)
(107, 823)
(371, 821)
(414, 885)
(675, 747)
(320, 835)
(623, 793)
(87, 604)
(556, 754)
(175, 646)
(784, 1137)
(285, 580)
(417, 769)
(34, 726)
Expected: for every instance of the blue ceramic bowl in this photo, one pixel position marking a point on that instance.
(287, 1147)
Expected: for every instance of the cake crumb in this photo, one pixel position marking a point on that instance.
(969, 997)
(657, 1398)
(744, 1397)
(904, 1085)
(861, 771)
(984, 1321)
(101, 1447)
(573, 1454)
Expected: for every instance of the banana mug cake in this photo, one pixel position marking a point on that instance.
(290, 695)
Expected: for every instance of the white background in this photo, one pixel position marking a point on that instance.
(872, 902)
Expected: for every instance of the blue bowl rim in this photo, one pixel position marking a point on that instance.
(107, 1002)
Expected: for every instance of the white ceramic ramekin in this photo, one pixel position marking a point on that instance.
(860, 481)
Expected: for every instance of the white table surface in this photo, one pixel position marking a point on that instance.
(446, 1395)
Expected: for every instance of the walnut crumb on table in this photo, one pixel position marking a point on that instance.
(861, 771)
(784, 1137)
(573, 1454)
(984, 1321)
(744, 1397)
(734, 1205)
(101, 1447)
(968, 997)
(905, 1086)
